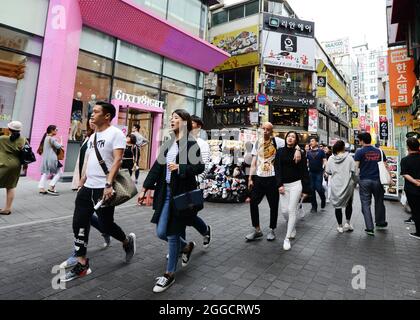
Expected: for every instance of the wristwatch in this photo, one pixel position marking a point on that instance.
(108, 185)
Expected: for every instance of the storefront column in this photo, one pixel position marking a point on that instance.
(157, 126)
(57, 74)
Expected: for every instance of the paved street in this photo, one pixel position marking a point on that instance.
(38, 236)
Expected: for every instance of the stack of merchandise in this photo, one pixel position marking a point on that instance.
(225, 182)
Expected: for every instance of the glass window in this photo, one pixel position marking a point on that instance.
(186, 14)
(199, 108)
(200, 94)
(27, 15)
(92, 86)
(138, 57)
(233, 116)
(158, 7)
(289, 117)
(97, 42)
(20, 41)
(274, 7)
(334, 129)
(18, 83)
(180, 72)
(236, 13)
(94, 63)
(173, 102)
(178, 87)
(135, 89)
(251, 8)
(137, 75)
(219, 18)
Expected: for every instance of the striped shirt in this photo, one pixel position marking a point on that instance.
(171, 158)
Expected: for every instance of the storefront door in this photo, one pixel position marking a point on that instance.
(150, 121)
(127, 118)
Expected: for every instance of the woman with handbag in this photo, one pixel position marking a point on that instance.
(10, 164)
(50, 149)
(131, 155)
(342, 170)
(173, 177)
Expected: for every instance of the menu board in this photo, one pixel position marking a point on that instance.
(392, 160)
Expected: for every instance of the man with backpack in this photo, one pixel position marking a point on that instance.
(317, 160)
(262, 180)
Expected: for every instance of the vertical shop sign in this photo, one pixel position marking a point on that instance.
(312, 120)
(383, 128)
(401, 77)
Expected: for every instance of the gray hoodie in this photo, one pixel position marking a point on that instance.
(342, 169)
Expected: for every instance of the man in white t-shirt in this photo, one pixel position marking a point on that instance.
(262, 180)
(95, 186)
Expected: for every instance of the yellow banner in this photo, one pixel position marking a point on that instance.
(355, 123)
(242, 44)
(402, 117)
(382, 109)
(321, 85)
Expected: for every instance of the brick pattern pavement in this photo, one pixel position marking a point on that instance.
(319, 265)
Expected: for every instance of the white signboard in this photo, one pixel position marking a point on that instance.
(289, 51)
(337, 47)
(382, 66)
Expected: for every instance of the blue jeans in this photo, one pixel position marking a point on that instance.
(316, 184)
(176, 242)
(367, 188)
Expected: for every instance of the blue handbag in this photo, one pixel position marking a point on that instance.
(188, 204)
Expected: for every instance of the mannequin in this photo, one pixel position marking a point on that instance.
(76, 115)
(91, 104)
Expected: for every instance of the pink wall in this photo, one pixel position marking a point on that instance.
(57, 73)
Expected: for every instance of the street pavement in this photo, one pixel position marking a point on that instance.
(38, 235)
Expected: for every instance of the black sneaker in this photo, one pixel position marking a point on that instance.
(381, 226)
(370, 232)
(409, 221)
(207, 238)
(163, 283)
(78, 271)
(323, 204)
(130, 248)
(53, 192)
(415, 235)
(314, 210)
(187, 255)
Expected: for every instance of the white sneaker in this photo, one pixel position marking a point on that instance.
(286, 244)
(293, 235)
(340, 229)
(271, 235)
(348, 227)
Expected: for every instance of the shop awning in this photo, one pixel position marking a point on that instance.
(127, 21)
(402, 11)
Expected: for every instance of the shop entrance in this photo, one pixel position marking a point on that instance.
(127, 118)
(150, 120)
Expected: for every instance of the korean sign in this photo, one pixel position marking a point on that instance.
(242, 44)
(382, 66)
(337, 47)
(401, 77)
(383, 128)
(403, 117)
(288, 51)
(289, 26)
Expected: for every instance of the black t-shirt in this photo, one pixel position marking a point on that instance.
(410, 165)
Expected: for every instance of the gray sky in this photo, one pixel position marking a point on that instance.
(360, 20)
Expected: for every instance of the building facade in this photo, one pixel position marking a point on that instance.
(146, 57)
(272, 72)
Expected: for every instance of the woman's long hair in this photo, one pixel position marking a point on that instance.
(14, 135)
(296, 135)
(184, 115)
(50, 129)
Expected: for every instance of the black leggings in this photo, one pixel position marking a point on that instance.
(349, 211)
(85, 201)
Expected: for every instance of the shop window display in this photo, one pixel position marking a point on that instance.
(289, 117)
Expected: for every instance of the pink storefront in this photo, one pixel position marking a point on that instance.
(73, 72)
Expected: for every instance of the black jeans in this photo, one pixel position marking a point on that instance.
(414, 203)
(85, 201)
(265, 186)
(349, 211)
